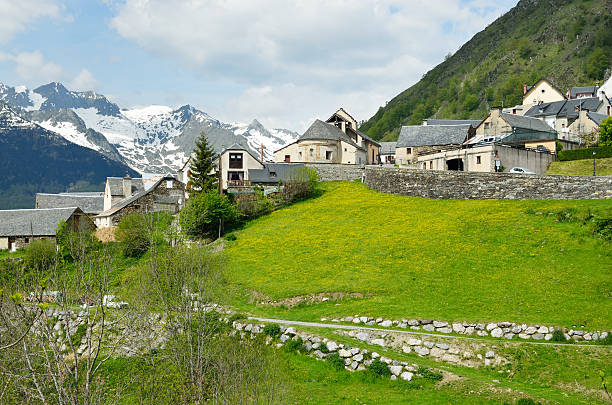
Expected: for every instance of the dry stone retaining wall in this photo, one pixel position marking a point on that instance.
(485, 186)
(336, 172)
(508, 330)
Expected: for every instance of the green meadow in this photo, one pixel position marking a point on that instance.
(463, 260)
(583, 167)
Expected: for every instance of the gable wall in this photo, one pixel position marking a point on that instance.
(543, 92)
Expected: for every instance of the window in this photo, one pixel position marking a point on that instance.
(300, 154)
(328, 155)
(311, 152)
(424, 166)
(563, 125)
(409, 151)
(477, 160)
(288, 158)
(542, 91)
(168, 184)
(272, 174)
(487, 125)
(235, 160)
(431, 164)
(345, 149)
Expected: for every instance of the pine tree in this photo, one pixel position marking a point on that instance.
(201, 167)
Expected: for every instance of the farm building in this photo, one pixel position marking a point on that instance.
(20, 227)
(90, 203)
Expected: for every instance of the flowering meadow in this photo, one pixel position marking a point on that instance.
(458, 260)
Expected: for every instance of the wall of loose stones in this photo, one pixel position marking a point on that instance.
(336, 172)
(485, 186)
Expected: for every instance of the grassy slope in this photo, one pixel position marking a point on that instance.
(582, 167)
(455, 260)
(532, 40)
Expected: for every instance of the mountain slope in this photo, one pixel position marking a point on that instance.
(568, 42)
(38, 160)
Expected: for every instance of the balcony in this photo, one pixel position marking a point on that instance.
(238, 183)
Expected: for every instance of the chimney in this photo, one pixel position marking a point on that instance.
(127, 186)
(496, 111)
(524, 89)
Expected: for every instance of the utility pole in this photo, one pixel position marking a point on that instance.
(594, 163)
(220, 177)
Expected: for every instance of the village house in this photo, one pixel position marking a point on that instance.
(583, 92)
(387, 153)
(167, 194)
(541, 92)
(335, 141)
(605, 91)
(236, 161)
(432, 136)
(18, 228)
(91, 203)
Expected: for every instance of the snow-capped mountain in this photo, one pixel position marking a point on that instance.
(154, 139)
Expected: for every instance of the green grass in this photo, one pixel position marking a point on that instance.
(584, 167)
(444, 259)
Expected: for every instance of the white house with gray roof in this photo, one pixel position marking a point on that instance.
(20, 227)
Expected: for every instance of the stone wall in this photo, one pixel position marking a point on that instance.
(485, 186)
(333, 172)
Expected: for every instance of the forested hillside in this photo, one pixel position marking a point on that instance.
(568, 42)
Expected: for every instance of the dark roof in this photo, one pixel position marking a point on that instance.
(387, 148)
(322, 131)
(116, 185)
(520, 122)
(90, 203)
(426, 135)
(36, 222)
(545, 109)
(565, 108)
(273, 172)
(583, 90)
(127, 201)
(438, 122)
(237, 146)
(596, 117)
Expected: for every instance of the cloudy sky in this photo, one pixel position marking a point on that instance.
(283, 62)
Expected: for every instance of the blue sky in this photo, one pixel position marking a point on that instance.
(284, 63)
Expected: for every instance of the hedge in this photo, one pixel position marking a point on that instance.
(577, 154)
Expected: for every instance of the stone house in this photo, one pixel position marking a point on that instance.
(541, 92)
(167, 194)
(510, 129)
(587, 124)
(91, 203)
(414, 140)
(335, 141)
(118, 189)
(387, 153)
(20, 227)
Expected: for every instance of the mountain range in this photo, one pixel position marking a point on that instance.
(567, 42)
(65, 129)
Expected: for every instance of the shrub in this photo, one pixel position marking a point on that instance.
(40, 254)
(336, 361)
(607, 340)
(254, 205)
(133, 234)
(566, 215)
(301, 185)
(603, 227)
(429, 374)
(272, 330)
(558, 336)
(586, 153)
(526, 401)
(605, 133)
(230, 237)
(206, 213)
(295, 345)
(379, 368)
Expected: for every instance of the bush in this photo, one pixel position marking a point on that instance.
(605, 134)
(206, 212)
(429, 374)
(566, 215)
(586, 153)
(379, 368)
(295, 345)
(272, 330)
(607, 340)
(526, 401)
(603, 227)
(301, 185)
(558, 336)
(254, 205)
(133, 234)
(336, 361)
(40, 254)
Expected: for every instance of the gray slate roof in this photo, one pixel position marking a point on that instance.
(520, 122)
(387, 148)
(321, 131)
(35, 222)
(545, 109)
(438, 122)
(582, 90)
(596, 117)
(431, 135)
(116, 185)
(282, 171)
(90, 203)
(125, 202)
(565, 108)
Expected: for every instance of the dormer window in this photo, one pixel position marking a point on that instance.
(235, 160)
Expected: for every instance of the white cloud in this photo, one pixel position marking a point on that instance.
(300, 57)
(17, 15)
(32, 66)
(83, 81)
